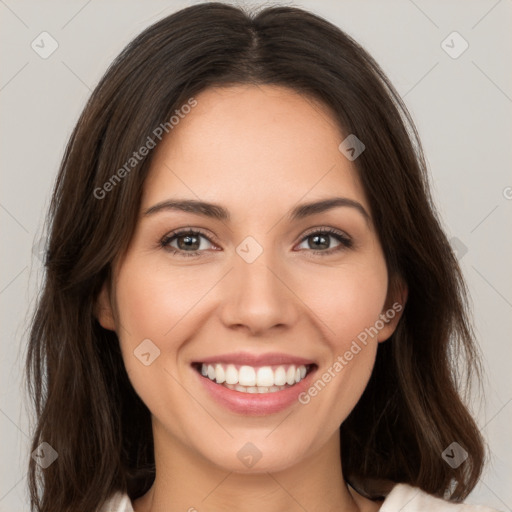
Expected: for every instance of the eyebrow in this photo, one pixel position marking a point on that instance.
(216, 211)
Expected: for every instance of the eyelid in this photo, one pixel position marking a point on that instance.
(184, 231)
(325, 229)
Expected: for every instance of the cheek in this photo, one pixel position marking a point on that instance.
(151, 300)
(347, 300)
(147, 309)
(151, 306)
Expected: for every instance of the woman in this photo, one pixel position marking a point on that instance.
(249, 300)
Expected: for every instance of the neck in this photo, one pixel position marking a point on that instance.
(185, 481)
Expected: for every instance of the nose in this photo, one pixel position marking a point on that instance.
(259, 296)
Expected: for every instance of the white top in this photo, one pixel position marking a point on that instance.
(402, 498)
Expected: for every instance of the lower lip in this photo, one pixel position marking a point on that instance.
(255, 404)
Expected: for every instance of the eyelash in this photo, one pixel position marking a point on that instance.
(345, 241)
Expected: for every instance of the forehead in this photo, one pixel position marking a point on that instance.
(265, 142)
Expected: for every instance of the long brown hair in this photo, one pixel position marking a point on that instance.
(85, 406)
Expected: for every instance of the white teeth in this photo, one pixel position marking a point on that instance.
(247, 376)
(220, 375)
(265, 376)
(247, 379)
(231, 374)
(290, 375)
(280, 377)
(254, 389)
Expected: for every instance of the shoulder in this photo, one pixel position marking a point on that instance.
(401, 498)
(118, 502)
(405, 498)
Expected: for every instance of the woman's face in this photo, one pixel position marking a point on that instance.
(259, 293)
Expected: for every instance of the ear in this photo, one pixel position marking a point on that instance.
(103, 309)
(393, 308)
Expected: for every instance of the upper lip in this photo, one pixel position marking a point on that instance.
(245, 358)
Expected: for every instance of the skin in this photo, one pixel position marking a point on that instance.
(258, 151)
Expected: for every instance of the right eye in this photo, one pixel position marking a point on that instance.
(185, 239)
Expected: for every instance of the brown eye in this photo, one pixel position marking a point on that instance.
(188, 242)
(320, 241)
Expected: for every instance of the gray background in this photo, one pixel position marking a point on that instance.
(461, 106)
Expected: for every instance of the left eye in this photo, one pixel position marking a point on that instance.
(321, 239)
(189, 242)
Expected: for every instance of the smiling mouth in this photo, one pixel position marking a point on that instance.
(254, 379)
